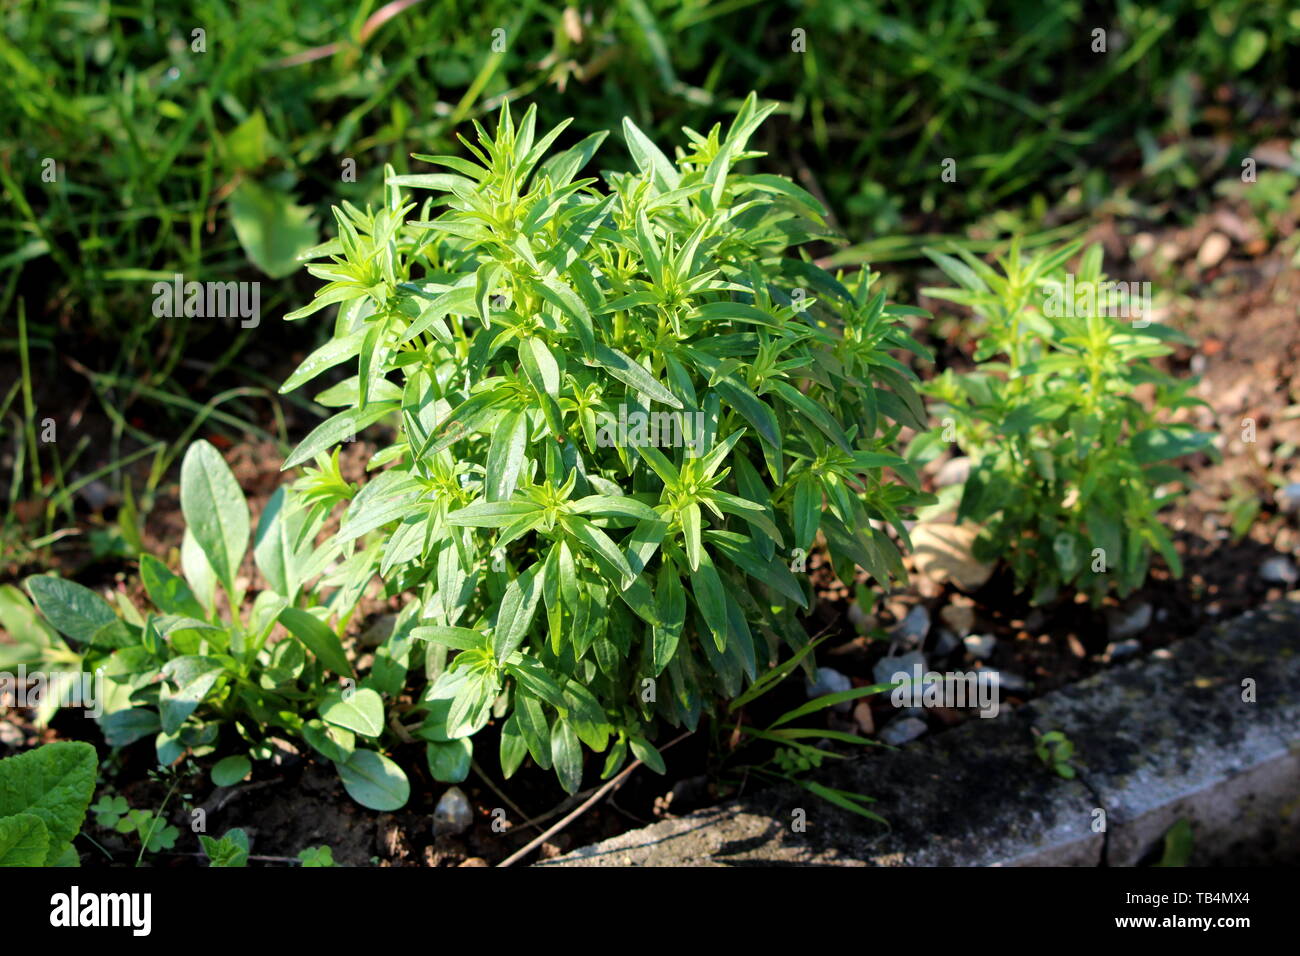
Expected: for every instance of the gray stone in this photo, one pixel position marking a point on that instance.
(1278, 570)
(1126, 621)
(885, 668)
(97, 495)
(911, 631)
(903, 730)
(453, 814)
(1117, 651)
(830, 681)
(1036, 620)
(1157, 739)
(1011, 683)
(1288, 498)
(945, 642)
(1170, 736)
(862, 621)
(980, 646)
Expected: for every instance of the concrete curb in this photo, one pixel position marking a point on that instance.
(1168, 737)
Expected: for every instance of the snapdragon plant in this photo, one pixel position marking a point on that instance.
(1070, 464)
(625, 407)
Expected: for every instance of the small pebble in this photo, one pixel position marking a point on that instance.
(830, 681)
(887, 667)
(1288, 498)
(903, 731)
(913, 628)
(1278, 570)
(10, 735)
(980, 646)
(945, 642)
(863, 717)
(97, 495)
(1011, 682)
(1126, 622)
(1213, 249)
(1122, 650)
(862, 621)
(453, 813)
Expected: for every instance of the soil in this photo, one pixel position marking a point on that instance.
(1240, 309)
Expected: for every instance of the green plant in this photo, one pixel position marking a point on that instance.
(153, 832)
(1177, 845)
(230, 850)
(317, 856)
(1070, 465)
(43, 798)
(790, 755)
(534, 337)
(1056, 751)
(151, 828)
(200, 663)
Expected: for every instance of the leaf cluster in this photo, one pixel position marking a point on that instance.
(1067, 421)
(625, 407)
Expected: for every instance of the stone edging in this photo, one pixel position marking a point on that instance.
(1158, 739)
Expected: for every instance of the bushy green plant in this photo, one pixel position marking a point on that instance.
(201, 659)
(1070, 464)
(594, 584)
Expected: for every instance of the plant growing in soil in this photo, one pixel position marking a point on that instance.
(1066, 420)
(196, 662)
(150, 828)
(624, 412)
(794, 749)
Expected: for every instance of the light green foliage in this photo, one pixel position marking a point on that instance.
(794, 750)
(1056, 751)
(153, 832)
(594, 584)
(155, 835)
(317, 856)
(1178, 845)
(1071, 466)
(230, 850)
(44, 794)
(187, 668)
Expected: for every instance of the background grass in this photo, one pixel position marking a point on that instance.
(220, 163)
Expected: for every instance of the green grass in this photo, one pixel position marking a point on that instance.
(219, 164)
